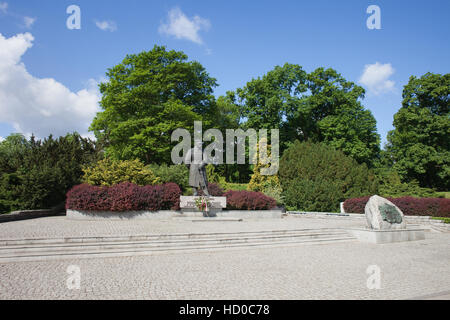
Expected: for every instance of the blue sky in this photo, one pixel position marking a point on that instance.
(50, 72)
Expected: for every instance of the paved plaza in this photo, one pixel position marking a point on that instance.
(408, 270)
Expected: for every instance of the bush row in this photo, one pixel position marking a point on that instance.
(130, 197)
(124, 197)
(243, 199)
(410, 206)
(249, 200)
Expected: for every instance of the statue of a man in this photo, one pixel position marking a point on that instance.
(197, 170)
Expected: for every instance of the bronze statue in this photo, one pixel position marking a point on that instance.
(197, 171)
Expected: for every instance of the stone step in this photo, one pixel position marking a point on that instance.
(83, 252)
(181, 242)
(39, 250)
(189, 236)
(440, 227)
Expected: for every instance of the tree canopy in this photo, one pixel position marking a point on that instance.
(419, 146)
(320, 107)
(146, 97)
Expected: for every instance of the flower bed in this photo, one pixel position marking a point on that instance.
(410, 206)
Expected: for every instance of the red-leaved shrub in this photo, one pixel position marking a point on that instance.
(170, 196)
(249, 200)
(124, 197)
(410, 206)
(130, 197)
(87, 197)
(356, 205)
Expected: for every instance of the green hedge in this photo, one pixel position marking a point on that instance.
(37, 174)
(178, 174)
(316, 177)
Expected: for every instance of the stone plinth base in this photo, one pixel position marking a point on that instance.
(235, 214)
(387, 236)
(169, 215)
(212, 212)
(188, 206)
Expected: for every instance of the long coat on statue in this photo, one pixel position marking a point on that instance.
(197, 172)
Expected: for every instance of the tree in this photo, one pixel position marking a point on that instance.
(317, 177)
(146, 97)
(320, 107)
(419, 146)
(333, 114)
(38, 174)
(266, 102)
(225, 114)
(391, 186)
(267, 184)
(12, 151)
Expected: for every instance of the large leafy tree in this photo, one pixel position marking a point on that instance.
(265, 102)
(333, 114)
(320, 107)
(419, 146)
(226, 115)
(146, 97)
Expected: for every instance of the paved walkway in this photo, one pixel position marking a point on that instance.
(57, 227)
(332, 271)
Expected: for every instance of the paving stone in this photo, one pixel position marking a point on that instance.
(331, 271)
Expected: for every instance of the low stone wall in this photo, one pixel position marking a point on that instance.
(440, 225)
(163, 215)
(326, 215)
(415, 220)
(29, 214)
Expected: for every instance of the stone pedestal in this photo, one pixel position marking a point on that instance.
(387, 236)
(187, 205)
(386, 224)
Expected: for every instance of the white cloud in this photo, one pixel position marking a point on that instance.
(376, 78)
(2, 139)
(181, 27)
(40, 106)
(4, 7)
(28, 21)
(106, 25)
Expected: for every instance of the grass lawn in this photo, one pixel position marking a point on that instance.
(235, 186)
(445, 220)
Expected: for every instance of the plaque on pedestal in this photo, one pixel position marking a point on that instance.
(216, 204)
